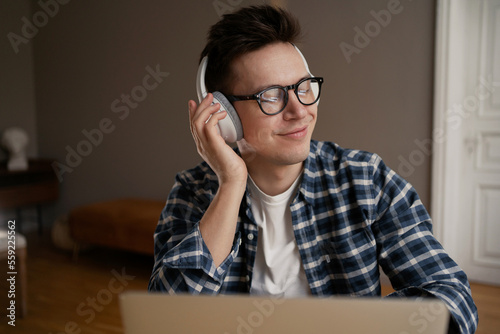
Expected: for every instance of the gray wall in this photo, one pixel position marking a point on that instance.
(91, 52)
(17, 84)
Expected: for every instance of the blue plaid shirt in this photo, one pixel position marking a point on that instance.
(351, 216)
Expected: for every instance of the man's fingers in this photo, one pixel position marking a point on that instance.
(215, 117)
(203, 119)
(211, 123)
(202, 116)
(191, 108)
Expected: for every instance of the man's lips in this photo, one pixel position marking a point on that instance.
(296, 132)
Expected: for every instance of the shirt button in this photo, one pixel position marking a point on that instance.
(247, 278)
(250, 236)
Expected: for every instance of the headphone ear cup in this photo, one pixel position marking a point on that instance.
(230, 127)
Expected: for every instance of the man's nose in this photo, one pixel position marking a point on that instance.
(294, 109)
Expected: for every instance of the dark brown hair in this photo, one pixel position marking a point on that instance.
(241, 32)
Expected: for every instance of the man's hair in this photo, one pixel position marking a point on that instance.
(241, 32)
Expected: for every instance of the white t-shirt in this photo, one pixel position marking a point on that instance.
(278, 269)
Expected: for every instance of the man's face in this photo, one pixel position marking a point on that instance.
(281, 139)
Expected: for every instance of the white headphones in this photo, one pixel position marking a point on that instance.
(230, 127)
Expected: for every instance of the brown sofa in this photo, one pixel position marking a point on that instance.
(127, 224)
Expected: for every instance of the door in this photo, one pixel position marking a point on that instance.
(466, 164)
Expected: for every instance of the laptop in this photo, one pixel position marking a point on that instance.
(152, 313)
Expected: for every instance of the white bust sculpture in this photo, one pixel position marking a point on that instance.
(15, 141)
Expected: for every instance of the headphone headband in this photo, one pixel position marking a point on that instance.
(201, 89)
(303, 59)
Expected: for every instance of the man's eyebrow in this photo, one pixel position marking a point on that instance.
(262, 87)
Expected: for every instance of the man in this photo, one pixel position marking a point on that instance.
(283, 214)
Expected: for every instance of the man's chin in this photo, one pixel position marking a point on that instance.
(295, 156)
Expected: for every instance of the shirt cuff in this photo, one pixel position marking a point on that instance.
(192, 253)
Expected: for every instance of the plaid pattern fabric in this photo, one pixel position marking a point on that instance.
(352, 215)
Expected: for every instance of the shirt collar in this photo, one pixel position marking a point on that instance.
(307, 185)
(307, 188)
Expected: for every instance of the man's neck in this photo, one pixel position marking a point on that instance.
(274, 180)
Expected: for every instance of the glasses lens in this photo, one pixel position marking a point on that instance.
(272, 100)
(308, 91)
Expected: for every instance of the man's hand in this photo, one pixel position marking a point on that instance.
(226, 164)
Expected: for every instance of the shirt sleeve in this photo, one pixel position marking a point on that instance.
(183, 262)
(415, 262)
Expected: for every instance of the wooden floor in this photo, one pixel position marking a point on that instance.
(64, 296)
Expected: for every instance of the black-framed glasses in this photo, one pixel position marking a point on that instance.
(274, 99)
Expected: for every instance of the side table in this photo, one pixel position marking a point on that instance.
(32, 187)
